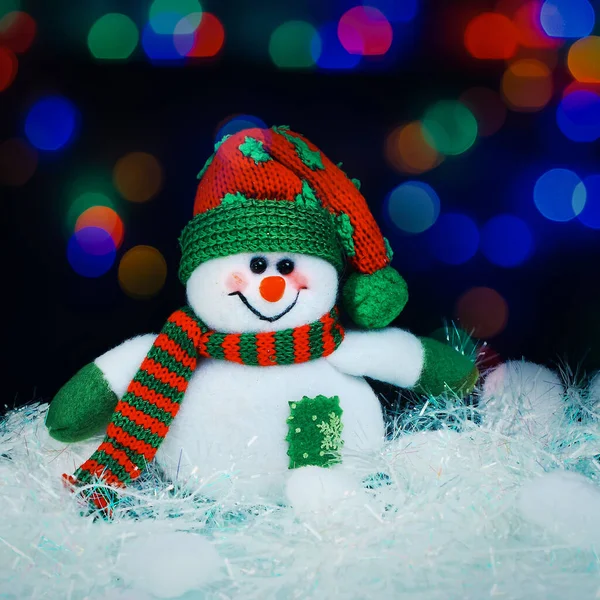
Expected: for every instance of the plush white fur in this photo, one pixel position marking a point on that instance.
(208, 293)
(391, 355)
(120, 364)
(522, 397)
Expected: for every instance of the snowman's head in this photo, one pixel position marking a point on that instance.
(256, 292)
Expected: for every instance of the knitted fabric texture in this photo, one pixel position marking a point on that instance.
(280, 165)
(142, 417)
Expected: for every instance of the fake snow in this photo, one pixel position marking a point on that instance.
(454, 506)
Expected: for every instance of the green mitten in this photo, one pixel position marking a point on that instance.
(445, 369)
(82, 407)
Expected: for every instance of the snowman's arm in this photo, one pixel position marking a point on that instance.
(84, 405)
(403, 359)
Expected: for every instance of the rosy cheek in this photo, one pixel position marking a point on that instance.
(235, 282)
(298, 280)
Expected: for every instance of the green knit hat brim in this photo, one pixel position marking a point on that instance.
(259, 226)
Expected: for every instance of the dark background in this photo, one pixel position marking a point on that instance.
(56, 321)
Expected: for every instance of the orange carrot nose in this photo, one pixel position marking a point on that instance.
(272, 288)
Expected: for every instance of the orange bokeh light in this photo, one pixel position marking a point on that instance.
(527, 85)
(408, 152)
(209, 37)
(105, 218)
(482, 312)
(491, 36)
(142, 272)
(138, 176)
(9, 65)
(487, 107)
(17, 31)
(584, 59)
(18, 161)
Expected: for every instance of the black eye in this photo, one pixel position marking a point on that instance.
(258, 265)
(285, 266)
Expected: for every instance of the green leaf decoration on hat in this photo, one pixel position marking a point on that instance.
(254, 149)
(308, 198)
(212, 156)
(356, 183)
(346, 233)
(388, 249)
(233, 199)
(311, 158)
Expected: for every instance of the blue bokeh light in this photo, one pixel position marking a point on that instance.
(413, 206)
(91, 252)
(158, 46)
(559, 195)
(567, 18)
(395, 10)
(327, 50)
(239, 123)
(590, 215)
(50, 123)
(454, 239)
(506, 241)
(578, 116)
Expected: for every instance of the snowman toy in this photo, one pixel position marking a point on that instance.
(256, 376)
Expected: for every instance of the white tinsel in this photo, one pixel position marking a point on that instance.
(454, 508)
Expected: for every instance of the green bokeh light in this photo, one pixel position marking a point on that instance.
(113, 37)
(7, 6)
(295, 45)
(82, 203)
(165, 14)
(450, 127)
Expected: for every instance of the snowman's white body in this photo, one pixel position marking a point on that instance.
(232, 425)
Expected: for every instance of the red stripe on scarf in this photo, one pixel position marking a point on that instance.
(164, 374)
(231, 347)
(302, 351)
(265, 346)
(153, 397)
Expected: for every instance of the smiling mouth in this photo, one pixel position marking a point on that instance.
(259, 314)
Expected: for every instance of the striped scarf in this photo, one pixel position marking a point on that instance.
(142, 417)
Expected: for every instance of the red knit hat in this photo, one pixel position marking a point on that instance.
(271, 190)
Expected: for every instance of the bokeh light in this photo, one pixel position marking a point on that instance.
(51, 122)
(487, 107)
(527, 85)
(165, 14)
(236, 123)
(482, 312)
(7, 6)
(584, 59)
(578, 116)
(454, 239)
(491, 36)
(559, 195)
(208, 35)
(407, 150)
(413, 206)
(165, 46)
(590, 215)
(396, 11)
(18, 161)
(17, 31)
(328, 52)
(82, 203)
(527, 20)
(567, 18)
(9, 65)
(295, 45)
(138, 176)
(450, 127)
(506, 241)
(364, 30)
(91, 252)
(113, 37)
(102, 217)
(142, 272)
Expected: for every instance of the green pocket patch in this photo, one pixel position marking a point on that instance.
(315, 432)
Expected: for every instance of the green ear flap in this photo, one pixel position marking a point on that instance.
(374, 301)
